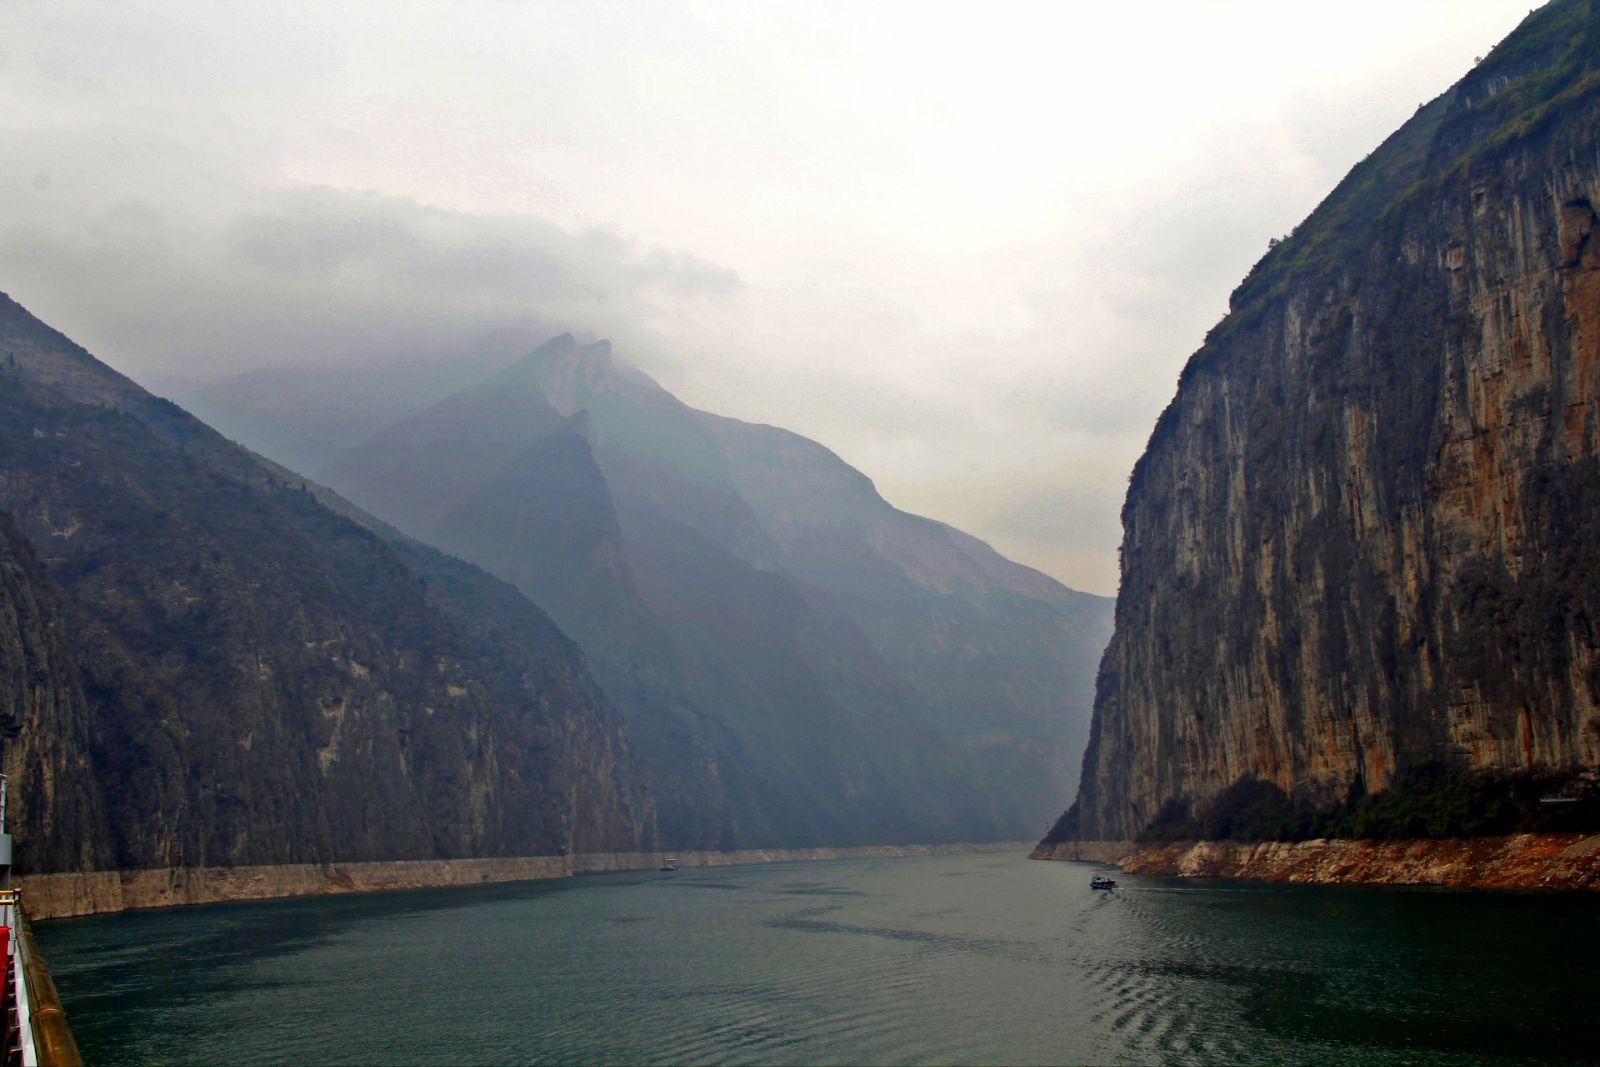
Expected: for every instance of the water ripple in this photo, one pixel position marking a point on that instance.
(926, 960)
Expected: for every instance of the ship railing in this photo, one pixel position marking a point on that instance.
(36, 1031)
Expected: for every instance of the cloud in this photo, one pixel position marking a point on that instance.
(968, 248)
(177, 262)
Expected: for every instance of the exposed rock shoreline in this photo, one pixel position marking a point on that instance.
(59, 896)
(1520, 861)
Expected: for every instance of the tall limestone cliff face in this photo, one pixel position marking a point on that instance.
(202, 665)
(1364, 535)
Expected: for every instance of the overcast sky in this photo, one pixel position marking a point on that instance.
(967, 246)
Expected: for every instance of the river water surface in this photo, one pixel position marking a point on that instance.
(949, 959)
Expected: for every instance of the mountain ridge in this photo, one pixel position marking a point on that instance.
(244, 676)
(658, 491)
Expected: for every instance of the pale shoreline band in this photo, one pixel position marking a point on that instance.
(73, 893)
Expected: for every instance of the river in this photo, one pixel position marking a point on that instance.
(945, 959)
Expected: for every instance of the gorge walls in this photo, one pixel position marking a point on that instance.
(1363, 536)
(203, 666)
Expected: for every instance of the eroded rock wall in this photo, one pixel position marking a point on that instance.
(1364, 534)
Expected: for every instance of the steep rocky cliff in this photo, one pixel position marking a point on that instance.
(1363, 537)
(55, 808)
(201, 665)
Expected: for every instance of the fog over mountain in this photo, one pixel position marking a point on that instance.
(969, 249)
(796, 661)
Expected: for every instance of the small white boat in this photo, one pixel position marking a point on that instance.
(1101, 881)
(670, 865)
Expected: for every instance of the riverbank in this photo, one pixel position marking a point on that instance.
(1520, 861)
(73, 893)
(941, 959)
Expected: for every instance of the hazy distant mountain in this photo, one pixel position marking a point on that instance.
(201, 664)
(797, 661)
(297, 416)
(302, 415)
(999, 655)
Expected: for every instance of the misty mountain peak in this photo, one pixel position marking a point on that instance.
(576, 424)
(561, 350)
(570, 375)
(564, 349)
(561, 344)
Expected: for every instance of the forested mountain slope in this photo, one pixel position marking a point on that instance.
(205, 666)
